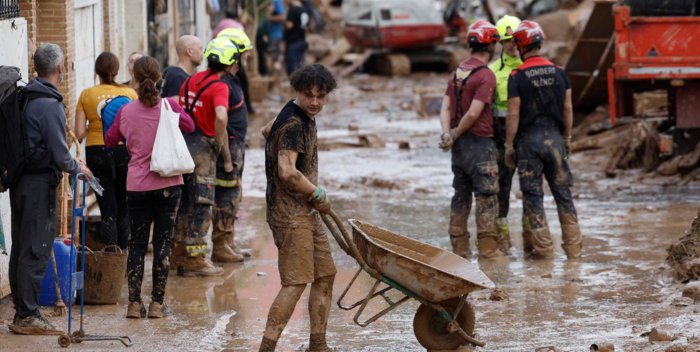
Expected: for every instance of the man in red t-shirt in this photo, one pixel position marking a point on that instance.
(467, 125)
(205, 98)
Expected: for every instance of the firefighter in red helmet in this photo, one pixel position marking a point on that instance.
(467, 124)
(539, 119)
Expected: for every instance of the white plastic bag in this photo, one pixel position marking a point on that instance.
(170, 155)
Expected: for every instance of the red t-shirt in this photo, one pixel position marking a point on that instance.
(480, 86)
(203, 112)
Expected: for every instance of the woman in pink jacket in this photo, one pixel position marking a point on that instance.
(151, 199)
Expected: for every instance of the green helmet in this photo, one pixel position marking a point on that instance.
(237, 36)
(506, 26)
(222, 51)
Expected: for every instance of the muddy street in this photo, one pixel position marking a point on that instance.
(397, 178)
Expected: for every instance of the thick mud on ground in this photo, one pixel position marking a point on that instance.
(615, 293)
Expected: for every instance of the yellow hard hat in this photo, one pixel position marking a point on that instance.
(223, 51)
(237, 36)
(506, 26)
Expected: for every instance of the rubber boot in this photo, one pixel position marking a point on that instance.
(200, 266)
(488, 250)
(527, 235)
(244, 252)
(542, 244)
(503, 235)
(460, 246)
(572, 241)
(223, 253)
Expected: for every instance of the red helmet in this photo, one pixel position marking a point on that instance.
(482, 32)
(528, 32)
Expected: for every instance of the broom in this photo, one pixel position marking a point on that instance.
(60, 309)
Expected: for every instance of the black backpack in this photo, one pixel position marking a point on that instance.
(16, 158)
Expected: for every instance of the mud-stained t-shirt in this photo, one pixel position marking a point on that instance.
(480, 86)
(293, 130)
(541, 87)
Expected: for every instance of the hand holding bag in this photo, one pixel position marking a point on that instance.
(170, 156)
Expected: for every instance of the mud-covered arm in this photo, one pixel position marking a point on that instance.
(471, 116)
(568, 114)
(286, 163)
(512, 119)
(445, 114)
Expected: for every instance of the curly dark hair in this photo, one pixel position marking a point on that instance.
(306, 77)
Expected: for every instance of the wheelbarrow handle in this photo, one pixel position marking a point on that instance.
(343, 239)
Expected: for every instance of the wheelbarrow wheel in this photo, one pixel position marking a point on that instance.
(64, 341)
(431, 329)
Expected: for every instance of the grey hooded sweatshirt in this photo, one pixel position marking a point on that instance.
(46, 121)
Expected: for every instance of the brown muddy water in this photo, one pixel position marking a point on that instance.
(615, 293)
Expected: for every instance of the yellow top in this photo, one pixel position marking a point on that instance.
(91, 102)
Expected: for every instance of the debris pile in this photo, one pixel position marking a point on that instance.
(684, 256)
(645, 144)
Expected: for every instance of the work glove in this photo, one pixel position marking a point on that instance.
(320, 201)
(448, 139)
(567, 146)
(511, 158)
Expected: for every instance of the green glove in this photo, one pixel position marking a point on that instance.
(320, 201)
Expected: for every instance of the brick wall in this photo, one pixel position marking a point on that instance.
(52, 21)
(28, 11)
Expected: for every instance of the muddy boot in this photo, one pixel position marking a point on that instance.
(157, 310)
(527, 235)
(488, 250)
(572, 241)
(503, 236)
(223, 253)
(460, 246)
(267, 345)
(136, 310)
(34, 325)
(200, 266)
(542, 244)
(244, 252)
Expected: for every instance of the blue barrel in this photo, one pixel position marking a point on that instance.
(47, 297)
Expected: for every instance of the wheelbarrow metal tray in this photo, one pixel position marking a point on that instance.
(428, 271)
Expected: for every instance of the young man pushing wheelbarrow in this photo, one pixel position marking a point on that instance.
(294, 204)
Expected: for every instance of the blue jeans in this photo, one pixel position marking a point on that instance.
(294, 55)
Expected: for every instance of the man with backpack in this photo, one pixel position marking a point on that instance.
(540, 116)
(39, 109)
(205, 98)
(467, 123)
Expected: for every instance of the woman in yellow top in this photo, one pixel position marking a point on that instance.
(110, 169)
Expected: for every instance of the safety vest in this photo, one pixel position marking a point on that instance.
(502, 70)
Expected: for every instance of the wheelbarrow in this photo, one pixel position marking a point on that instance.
(441, 281)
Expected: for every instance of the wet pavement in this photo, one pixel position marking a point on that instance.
(615, 293)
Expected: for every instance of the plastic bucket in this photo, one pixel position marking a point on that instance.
(47, 296)
(104, 275)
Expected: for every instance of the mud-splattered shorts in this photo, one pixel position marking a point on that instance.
(304, 254)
